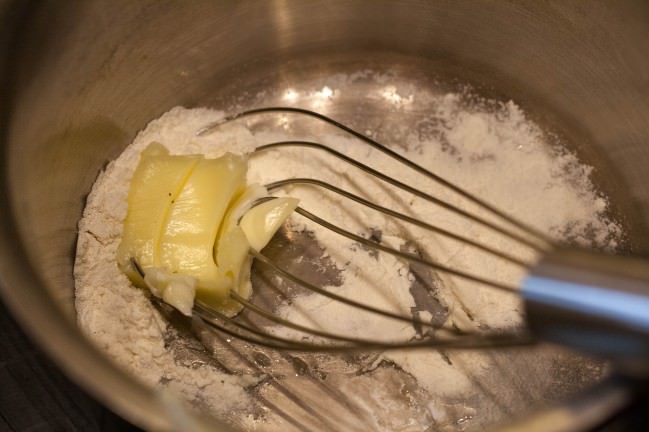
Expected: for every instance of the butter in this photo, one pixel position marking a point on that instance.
(174, 289)
(157, 181)
(261, 222)
(185, 227)
(187, 245)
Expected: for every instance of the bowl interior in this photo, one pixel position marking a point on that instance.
(85, 78)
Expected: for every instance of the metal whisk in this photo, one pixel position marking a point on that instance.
(590, 301)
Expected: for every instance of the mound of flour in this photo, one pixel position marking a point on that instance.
(118, 317)
(497, 154)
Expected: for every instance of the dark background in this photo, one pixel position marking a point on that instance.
(35, 396)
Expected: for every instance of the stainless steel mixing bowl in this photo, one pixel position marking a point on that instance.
(81, 78)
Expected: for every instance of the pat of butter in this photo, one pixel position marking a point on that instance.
(176, 290)
(156, 183)
(182, 227)
(187, 245)
(261, 222)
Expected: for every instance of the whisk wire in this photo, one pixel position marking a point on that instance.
(264, 338)
(436, 336)
(334, 342)
(375, 144)
(505, 232)
(406, 255)
(418, 222)
(313, 288)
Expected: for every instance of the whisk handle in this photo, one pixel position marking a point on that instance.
(593, 302)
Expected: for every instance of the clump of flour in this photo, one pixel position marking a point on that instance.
(496, 154)
(118, 317)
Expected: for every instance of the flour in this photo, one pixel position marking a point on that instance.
(497, 154)
(135, 337)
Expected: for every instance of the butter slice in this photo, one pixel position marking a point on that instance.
(190, 225)
(187, 245)
(176, 290)
(157, 181)
(262, 221)
(231, 249)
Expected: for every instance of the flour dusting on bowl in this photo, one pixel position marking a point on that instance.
(488, 147)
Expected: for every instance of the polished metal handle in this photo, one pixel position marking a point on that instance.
(594, 302)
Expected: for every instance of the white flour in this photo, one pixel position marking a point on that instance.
(498, 155)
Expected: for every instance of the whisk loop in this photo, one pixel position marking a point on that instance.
(431, 335)
(556, 293)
